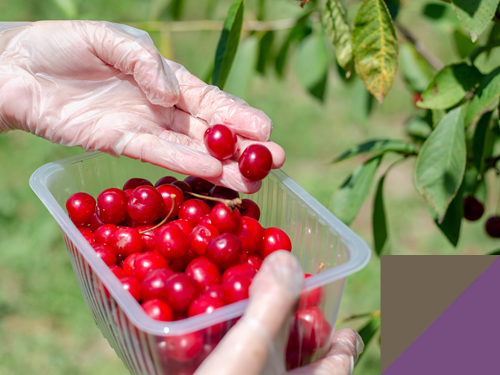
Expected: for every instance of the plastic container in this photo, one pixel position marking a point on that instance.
(142, 343)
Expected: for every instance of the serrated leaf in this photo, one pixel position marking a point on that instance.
(369, 331)
(378, 146)
(475, 15)
(338, 30)
(379, 222)
(348, 200)
(449, 86)
(463, 44)
(312, 65)
(440, 163)
(228, 43)
(265, 49)
(243, 67)
(452, 222)
(485, 98)
(416, 70)
(375, 47)
(480, 140)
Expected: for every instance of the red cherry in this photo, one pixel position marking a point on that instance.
(493, 226)
(239, 269)
(311, 298)
(153, 283)
(182, 348)
(112, 206)
(129, 264)
(274, 239)
(180, 290)
(185, 225)
(310, 330)
(224, 250)
(126, 241)
(225, 219)
(214, 291)
(106, 253)
(117, 271)
(251, 235)
(193, 209)
(84, 230)
(89, 236)
(129, 222)
(170, 194)
(179, 265)
(205, 219)
(223, 193)
(417, 97)
(249, 208)
(256, 162)
(203, 271)
(204, 305)
(236, 288)
(165, 181)
(95, 222)
(201, 236)
(199, 185)
(146, 262)
(136, 182)
(132, 285)
(81, 208)
(129, 192)
(171, 242)
(104, 233)
(254, 261)
(473, 209)
(158, 310)
(184, 186)
(220, 141)
(148, 237)
(145, 205)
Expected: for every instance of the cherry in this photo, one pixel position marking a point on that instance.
(220, 141)
(95, 222)
(129, 264)
(172, 196)
(223, 193)
(104, 232)
(310, 330)
(180, 290)
(204, 305)
(145, 205)
(165, 181)
(136, 182)
(417, 97)
(249, 208)
(148, 236)
(236, 288)
(132, 285)
(153, 283)
(203, 271)
(199, 185)
(185, 225)
(171, 242)
(126, 241)
(251, 235)
(256, 162)
(179, 265)
(129, 222)
(184, 186)
(473, 209)
(254, 261)
(117, 271)
(84, 230)
(158, 310)
(112, 206)
(225, 219)
(89, 236)
(214, 291)
(311, 298)
(239, 269)
(129, 192)
(205, 219)
(201, 236)
(106, 253)
(146, 262)
(81, 208)
(274, 239)
(493, 226)
(193, 209)
(224, 250)
(182, 348)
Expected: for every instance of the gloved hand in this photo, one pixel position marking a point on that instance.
(255, 345)
(104, 86)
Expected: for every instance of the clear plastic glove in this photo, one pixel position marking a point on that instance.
(104, 86)
(256, 344)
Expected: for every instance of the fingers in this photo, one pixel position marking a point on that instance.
(132, 51)
(345, 349)
(273, 293)
(218, 107)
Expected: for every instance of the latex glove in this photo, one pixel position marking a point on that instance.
(104, 86)
(256, 344)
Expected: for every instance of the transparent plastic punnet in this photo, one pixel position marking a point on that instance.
(147, 346)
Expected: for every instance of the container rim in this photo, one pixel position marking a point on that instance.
(359, 253)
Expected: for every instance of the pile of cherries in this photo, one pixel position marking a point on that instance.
(183, 248)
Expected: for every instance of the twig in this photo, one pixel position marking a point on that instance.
(372, 314)
(420, 47)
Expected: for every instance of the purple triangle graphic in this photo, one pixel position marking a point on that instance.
(465, 339)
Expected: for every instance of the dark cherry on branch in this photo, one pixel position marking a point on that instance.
(199, 185)
(184, 186)
(223, 193)
(256, 162)
(145, 205)
(165, 181)
(81, 208)
(220, 141)
(493, 226)
(473, 209)
(136, 182)
(112, 206)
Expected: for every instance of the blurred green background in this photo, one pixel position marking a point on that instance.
(44, 324)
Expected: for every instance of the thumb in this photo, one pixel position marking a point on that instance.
(260, 335)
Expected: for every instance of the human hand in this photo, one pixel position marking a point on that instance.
(104, 86)
(256, 344)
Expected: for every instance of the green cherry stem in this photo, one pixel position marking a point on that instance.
(231, 203)
(165, 219)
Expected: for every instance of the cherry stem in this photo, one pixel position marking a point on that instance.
(231, 203)
(321, 266)
(164, 220)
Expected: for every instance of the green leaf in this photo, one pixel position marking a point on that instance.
(437, 115)
(480, 140)
(312, 65)
(176, 9)
(418, 127)
(210, 8)
(485, 98)
(338, 30)
(228, 43)
(261, 10)
(379, 222)
(347, 201)
(369, 331)
(449, 86)
(265, 50)
(375, 47)
(475, 15)
(496, 252)
(440, 163)
(452, 222)
(243, 67)
(463, 44)
(434, 11)
(378, 146)
(416, 70)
